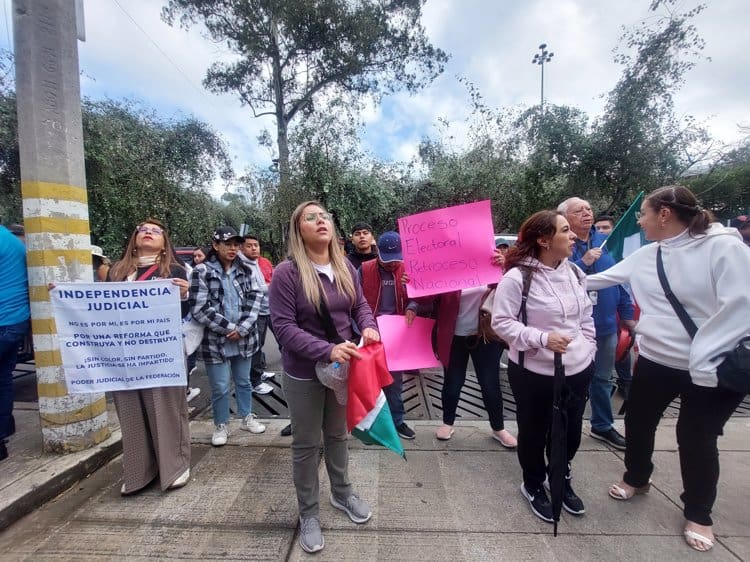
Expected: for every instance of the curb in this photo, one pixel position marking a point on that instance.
(38, 487)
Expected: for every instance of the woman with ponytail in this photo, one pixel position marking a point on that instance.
(706, 266)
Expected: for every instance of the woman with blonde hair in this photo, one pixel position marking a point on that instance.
(154, 421)
(314, 293)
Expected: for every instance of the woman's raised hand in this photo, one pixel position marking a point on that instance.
(183, 284)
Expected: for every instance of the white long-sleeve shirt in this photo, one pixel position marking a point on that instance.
(557, 302)
(709, 276)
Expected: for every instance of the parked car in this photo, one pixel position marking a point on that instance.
(185, 253)
(509, 239)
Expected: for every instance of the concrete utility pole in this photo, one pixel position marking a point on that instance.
(55, 205)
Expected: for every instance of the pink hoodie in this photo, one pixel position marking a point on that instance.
(557, 302)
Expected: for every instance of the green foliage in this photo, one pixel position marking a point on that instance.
(140, 166)
(725, 187)
(10, 177)
(291, 53)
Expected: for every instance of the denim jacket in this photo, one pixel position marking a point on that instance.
(207, 306)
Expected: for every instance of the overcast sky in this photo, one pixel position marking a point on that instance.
(130, 53)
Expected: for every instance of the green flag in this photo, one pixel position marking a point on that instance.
(626, 236)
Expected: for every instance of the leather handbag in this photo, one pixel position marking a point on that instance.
(484, 329)
(733, 373)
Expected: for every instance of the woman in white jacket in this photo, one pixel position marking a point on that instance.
(706, 266)
(558, 321)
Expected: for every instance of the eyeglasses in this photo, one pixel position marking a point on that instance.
(638, 215)
(149, 230)
(312, 217)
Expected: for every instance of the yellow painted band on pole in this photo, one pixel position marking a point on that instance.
(38, 293)
(47, 358)
(44, 326)
(52, 389)
(45, 190)
(85, 413)
(52, 258)
(57, 225)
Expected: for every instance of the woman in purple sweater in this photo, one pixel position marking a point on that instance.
(559, 321)
(317, 271)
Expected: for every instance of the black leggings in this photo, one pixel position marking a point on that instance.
(533, 394)
(703, 413)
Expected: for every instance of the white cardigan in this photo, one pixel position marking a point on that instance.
(709, 276)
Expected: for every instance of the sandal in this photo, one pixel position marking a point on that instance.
(692, 535)
(505, 438)
(619, 493)
(444, 432)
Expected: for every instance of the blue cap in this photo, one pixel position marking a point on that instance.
(389, 247)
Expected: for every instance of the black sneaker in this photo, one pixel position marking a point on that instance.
(610, 436)
(571, 502)
(287, 431)
(3, 450)
(405, 431)
(539, 503)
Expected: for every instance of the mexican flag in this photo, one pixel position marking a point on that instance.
(626, 237)
(367, 414)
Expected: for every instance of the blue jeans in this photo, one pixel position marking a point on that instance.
(601, 384)
(393, 396)
(219, 374)
(10, 338)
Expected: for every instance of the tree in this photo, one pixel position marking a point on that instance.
(292, 53)
(10, 167)
(138, 165)
(638, 143)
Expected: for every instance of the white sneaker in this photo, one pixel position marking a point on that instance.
(192, 393)
(252, 425)
(267, 375)
(220, 436)
(263, 388)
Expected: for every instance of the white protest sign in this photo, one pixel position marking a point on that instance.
(119, 336)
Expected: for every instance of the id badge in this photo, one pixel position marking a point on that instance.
(594, 296)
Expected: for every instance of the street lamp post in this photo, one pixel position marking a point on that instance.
(540, 58)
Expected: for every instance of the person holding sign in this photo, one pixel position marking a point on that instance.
(457, 337)
(541, 308)
(315, 293)
(226, 297)
(385, 292)
(154, 421)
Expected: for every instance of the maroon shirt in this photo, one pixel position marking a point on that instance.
(297, 325)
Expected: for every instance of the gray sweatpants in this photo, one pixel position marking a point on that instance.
(313, 407)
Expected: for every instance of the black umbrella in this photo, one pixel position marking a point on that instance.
(558, 440)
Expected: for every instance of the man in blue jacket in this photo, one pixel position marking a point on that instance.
(589, 255)
(14, 324)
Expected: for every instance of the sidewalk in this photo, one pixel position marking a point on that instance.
(455, 500)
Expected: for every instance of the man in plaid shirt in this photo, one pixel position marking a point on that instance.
(226, 298)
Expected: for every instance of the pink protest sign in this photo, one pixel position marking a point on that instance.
(407, 347)
(449, 249)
